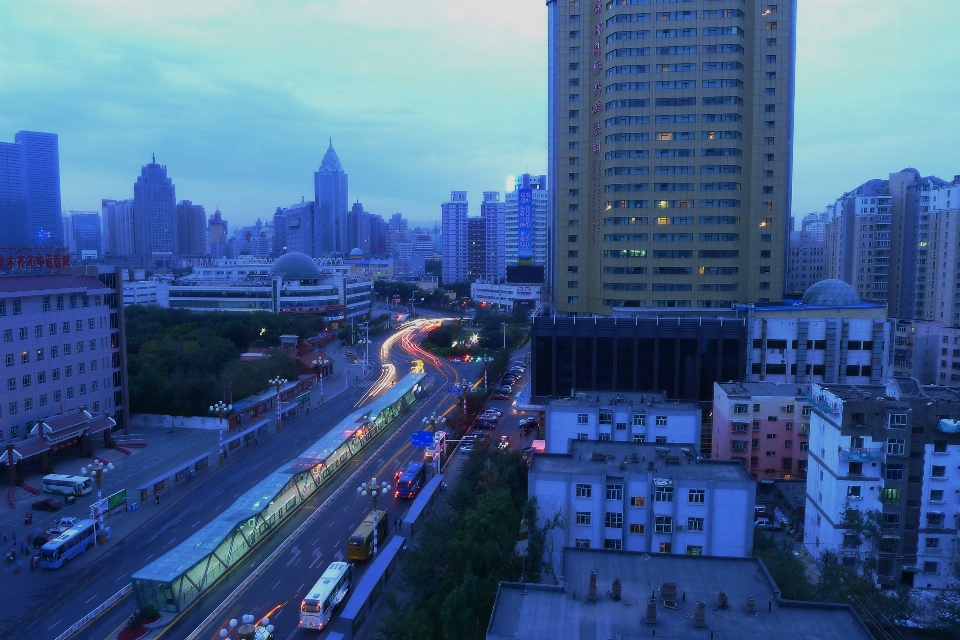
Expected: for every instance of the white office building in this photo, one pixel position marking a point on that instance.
(538, 192)
(453, 216)
(644, 497)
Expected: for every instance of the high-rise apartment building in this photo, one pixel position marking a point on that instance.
(805, 264)
(191, 229)
(358, 229)
(117, 219)
(154, 215)
(492, 211)
(669, 135)
(526, 245)
(476, 248)
(453, 219)
(330, 194)
(217, 228)
(30, 213)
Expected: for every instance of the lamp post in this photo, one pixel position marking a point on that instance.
(96, 471)
(373, 489)
(504, 325)
(317, 364)
(221, 409)
(248, 629)
(278, 381)
(433, 423)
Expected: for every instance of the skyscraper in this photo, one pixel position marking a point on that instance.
(86, 235)
(330, 194)
(492, 212)
(476, 248)
(358, 229)
(30, 213)
(526, 245)
(191, 229)
(669, 152)
(154, 214)
(117, 219)
(217, 228)
(453, 220)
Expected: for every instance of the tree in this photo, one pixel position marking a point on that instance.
(785, 568)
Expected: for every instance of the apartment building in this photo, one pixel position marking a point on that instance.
(619, 417)
(641, 496)
(670, 153)
(764, 425)
(885, 453)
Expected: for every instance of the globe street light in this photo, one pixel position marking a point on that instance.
(221, 409)
(316, 365)
(373, 489)
(249, 629)
(96, 470)
(278, 381)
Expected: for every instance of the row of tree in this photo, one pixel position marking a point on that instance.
(179, 363)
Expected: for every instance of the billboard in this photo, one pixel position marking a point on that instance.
(524, 226)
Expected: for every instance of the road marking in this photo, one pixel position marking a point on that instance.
(54, 624)
(278, 583)
(150, 556)
(338, 556)
(91, 598)
(294, 553)
(331, 524)
(301, 587)
(197, 522)
(120, 578)
(317, 554)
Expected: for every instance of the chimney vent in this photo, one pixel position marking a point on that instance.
(700, 614)
(592, 595)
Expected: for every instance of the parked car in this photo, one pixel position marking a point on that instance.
(763, 523)
(48, 504)
(500, 395)
(488, 417)
(483, 424)
(505, 388)
(492, 410)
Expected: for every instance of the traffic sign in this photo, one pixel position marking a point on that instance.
(421, 439)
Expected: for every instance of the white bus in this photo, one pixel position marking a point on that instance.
(69, 544)
(318, 606)
(67, 485)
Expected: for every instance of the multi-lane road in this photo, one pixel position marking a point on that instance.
(278, 589)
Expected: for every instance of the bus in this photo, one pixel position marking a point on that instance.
(72, 542)
(360, 546)
(411, 480)
(67, 485)
(320, 602)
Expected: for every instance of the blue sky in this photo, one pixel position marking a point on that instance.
(421, 97)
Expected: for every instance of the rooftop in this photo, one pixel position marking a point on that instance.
(626, 398)
(779, 389)
(27, 284)
(679, 461)
(535, 612)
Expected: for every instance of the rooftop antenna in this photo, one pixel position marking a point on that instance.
(154, 161)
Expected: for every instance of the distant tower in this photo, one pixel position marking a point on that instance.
(30, 209)
(330, 194)
(155, 219)
(191, 229)
(492, 211)
(453, 218)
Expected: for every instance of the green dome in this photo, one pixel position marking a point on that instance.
(295, 266)
(831, 293)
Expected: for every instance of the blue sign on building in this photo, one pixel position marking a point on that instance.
(421, 439)
(524, 225)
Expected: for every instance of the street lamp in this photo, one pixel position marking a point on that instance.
(248, 629)
(504, 325)
(278, 381)
(316, 365)
(433, 423)
(373, 489)
(96, 470)
(221, 409)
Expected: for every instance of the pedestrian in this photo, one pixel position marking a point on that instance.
(23, 548)
(156, 497)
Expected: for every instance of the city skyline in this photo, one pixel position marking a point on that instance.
(243, 126)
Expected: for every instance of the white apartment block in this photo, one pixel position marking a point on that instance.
(630, 417)
(538, 187)
(645, 497)
(492, 212)
(887, 450)
(453, 220)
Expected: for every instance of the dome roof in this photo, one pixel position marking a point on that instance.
(831, 293)
(295, 266)
(356, 253)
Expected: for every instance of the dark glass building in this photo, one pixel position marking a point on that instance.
(30, 210)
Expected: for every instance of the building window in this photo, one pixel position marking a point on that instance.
(663, 524)
(661, 421)
(895, 446)
(583, 418)
(664, 494)
(695, 524)
(583, 517)
(638, 501)
(614, 544)
(694, 550)
(69, 393)
(584, 491)
(613, 520)
(930, 567)
(11, 384)
(666, 547)
(582, 543)
(696, 496)
(639, 438)
(740, 408)
(938, 471)
(43, 400)
(24, 357)
(636, 528)
(890, 496)
(614, 492)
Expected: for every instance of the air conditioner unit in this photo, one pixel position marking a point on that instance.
(680, 527)
(783, 408)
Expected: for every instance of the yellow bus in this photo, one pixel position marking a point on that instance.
(360, 546)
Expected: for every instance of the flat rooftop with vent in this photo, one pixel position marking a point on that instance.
(661, 595)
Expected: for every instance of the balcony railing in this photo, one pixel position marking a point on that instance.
(860, 454)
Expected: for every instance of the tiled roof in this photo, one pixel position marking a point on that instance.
(23, 284)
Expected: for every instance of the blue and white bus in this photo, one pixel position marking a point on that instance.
(322, 600)
(69, 544)
(67, 485)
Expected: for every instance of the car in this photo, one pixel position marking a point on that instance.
(488, 417)
(763, 523)
(499, 395)
(492, 410)
(483, 424)
(62, 525)
(481, 436)
(48, 504)
(466, 447)
(504, 388)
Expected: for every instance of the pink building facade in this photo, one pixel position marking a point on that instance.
(764, 425)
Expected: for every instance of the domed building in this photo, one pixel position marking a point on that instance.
(831, 293)
(293, 283)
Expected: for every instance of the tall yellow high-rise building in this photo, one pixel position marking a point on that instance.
(670, 138)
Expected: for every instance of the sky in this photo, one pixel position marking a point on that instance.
(420, 97)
